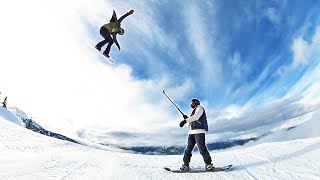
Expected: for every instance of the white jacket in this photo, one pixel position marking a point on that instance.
(198, 113)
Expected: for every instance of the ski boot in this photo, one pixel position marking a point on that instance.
(98, 48)
(209, 167)
(106, 55)
(185, 167)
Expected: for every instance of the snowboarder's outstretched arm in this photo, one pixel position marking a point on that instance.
(125, 15)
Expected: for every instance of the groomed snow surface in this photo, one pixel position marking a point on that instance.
(25, 154)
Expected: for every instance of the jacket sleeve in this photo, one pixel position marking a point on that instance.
(122, 17)
(198, 113)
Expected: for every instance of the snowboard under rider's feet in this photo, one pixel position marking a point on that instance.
(209, 167)
(185, 167)
(99, 49)
(106, 55)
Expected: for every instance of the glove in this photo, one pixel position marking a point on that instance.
(185, 116)
(182, 123)
(131, 11)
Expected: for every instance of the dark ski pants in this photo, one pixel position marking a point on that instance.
(107, 39)
(200, 140)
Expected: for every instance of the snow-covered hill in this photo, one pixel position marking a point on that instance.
(25, 154)
(19, 117)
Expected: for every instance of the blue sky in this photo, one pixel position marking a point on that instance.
(251, 63)
(231, 51)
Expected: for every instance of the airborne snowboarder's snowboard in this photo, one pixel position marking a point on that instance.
(110, 60)
(216, 169)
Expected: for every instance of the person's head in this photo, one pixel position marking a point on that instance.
(121, 31)
(194, 103)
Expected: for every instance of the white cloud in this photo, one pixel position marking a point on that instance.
(246, 119)
(303, 51)
(316, 37)
(307, 53)
(239, 68)
(179, 92)
(50, 71)
(272, 15)
(307, 88)
(308, 129)
(197, 35)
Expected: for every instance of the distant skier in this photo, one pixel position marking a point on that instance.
(198, 127)
(112, 28)
(4, 103)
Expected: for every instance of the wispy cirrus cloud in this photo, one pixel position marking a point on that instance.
(239, 68)
(196, 33)
(272, 15)
(303, 50)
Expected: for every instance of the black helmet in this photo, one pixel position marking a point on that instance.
(194, 102)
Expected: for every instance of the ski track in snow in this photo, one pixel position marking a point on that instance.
(248, 173)
(25, 154)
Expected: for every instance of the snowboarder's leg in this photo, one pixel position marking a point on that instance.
(106, 52)
(100, 44)
(188, 151)
(107, 38)
(201, 143)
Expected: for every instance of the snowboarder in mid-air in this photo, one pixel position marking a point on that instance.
(198, 127)
(109, 32)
